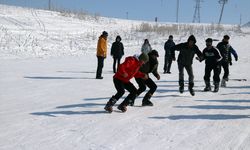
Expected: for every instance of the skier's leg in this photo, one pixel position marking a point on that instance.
(132, 94)
(207, 78)
(181, 77)
(114, 65)
(216, 78)
(189, 70)
(152, 88)
(120, 91)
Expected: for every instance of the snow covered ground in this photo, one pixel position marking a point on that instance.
(50, 98)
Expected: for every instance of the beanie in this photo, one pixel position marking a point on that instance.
(154, 52)
(192, 38)
(143, 57)
(105, 33)
(226, 37)
(209, 40)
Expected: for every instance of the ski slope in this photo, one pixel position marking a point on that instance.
(50, 98)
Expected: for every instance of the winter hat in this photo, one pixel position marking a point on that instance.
(154, 52)
(209, 40)
(226, 37)
(104, 33)
(118, 37)
(192, 38)
(143, 57)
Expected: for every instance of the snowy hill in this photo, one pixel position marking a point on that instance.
(50, 98)
(246, 25)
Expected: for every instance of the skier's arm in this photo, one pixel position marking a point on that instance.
(233, 51)
(198, 53)
(155, 72)
(140, 75)
(112, 50)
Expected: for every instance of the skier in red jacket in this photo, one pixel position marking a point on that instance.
(126, 71)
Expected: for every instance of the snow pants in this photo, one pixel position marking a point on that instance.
(121, 86)
(189, 70)
(216, 70)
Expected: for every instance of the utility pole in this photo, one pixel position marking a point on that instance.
(49, 4)
(197, 11)
(223, 2)
(177, 11)
(240, 19)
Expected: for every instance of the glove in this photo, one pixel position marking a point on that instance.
(230, 63)
(236, 58)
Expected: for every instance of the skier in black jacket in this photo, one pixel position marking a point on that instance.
(168, 56)
(185, 60)
(212, 57)
(226, 50)
(117, 51)
(150, 67)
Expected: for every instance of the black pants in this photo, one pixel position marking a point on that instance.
(189, 70)
(216, 69)
(100, 64)
(114, 64)
(142, 86)
(225, 67)
(168, 63)
(121, 86)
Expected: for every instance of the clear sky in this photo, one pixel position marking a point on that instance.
(164, 10)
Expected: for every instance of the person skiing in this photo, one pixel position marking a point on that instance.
(149, 67)
(185, 60)
(101, 53)
(168, 57)
(146, 47)
(226, 50)
(126, 71)
(117, 51)
(212, 57)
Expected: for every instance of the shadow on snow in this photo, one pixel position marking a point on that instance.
(54, 113)
(227, 107)
(53, 78)
(203, 117)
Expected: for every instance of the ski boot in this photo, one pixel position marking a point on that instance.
(208, 86)
(146, 100)
(110, 104)
(131, 102)
(181, 86)
(216, 87)
(223, 83)
(190, 88)
(123, 105)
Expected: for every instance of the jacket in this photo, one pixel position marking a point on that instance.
(211, 56)
(146, 48)
(186, 54)
(226, 50)
(168, 44)
(102, 47)
(117, 49)
(150, 66)
(131, 67)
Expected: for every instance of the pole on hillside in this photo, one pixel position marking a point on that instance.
(223, 2)
(177, 11)
(49, 5)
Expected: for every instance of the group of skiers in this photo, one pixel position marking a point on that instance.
(139, 67)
